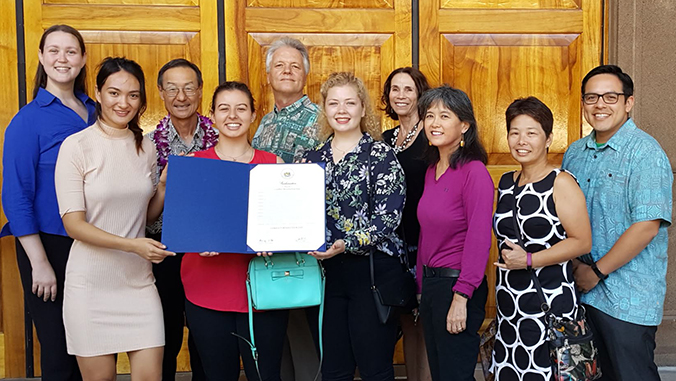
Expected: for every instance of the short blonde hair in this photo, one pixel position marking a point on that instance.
(369, 123)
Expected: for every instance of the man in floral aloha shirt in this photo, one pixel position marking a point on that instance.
(288, 131)
(182, 131)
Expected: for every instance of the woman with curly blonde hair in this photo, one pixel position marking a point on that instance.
(365, 192)
(369, 122)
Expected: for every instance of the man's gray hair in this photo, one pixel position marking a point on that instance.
(292, 43)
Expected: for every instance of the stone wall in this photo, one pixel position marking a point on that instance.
(642, 35)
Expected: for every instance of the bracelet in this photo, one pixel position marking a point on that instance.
(462, 294)
(598, 272)
(529, 261)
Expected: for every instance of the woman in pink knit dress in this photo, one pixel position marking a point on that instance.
(107, 191)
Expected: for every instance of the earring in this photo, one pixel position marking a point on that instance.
(462, 141)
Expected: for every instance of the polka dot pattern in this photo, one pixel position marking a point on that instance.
(521, 352)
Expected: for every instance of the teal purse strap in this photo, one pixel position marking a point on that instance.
(252, 343)
(320, 328)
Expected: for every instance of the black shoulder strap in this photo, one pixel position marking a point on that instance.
(369, 192)
(544, 306)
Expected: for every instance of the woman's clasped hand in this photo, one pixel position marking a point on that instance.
(514, 257)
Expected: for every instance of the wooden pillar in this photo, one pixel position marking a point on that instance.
(641, 35)
(11, 294)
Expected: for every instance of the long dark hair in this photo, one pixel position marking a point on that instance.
(112, 65)
(457, 101)
(419, 79)
(40, 75)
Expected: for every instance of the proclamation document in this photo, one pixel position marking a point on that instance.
(287, 208)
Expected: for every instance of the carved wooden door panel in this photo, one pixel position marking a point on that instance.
(369, 37)
(151, 32)
(497, 51)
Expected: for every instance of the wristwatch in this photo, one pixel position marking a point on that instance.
(462, 294)
(598, 272)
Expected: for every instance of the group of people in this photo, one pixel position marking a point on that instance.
(83, 191)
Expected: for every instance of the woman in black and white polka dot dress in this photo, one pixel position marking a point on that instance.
(554, 227)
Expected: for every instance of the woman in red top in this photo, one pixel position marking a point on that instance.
(215, 285)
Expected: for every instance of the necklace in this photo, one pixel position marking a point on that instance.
(233, 158)
(348, 149)
(407, 139)
(163, 145)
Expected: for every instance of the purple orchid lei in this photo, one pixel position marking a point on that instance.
(161, 137)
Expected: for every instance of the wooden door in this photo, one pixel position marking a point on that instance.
(10, 289)
(151, 32)
(369, 37)
(497, 51)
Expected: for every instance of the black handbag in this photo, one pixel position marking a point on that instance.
(572, 352)
(398, 290)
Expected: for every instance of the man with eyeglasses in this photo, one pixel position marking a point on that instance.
(182, 131)
(627, 180)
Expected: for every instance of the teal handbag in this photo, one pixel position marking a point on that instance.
(284, 281)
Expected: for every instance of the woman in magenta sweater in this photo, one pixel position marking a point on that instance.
(455, 214)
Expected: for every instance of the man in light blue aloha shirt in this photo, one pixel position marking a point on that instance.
(627, 180)
(288, 131)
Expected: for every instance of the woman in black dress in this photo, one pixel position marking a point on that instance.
(401, 92)
(554, 227)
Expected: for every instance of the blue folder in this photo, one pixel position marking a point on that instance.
(206, 206)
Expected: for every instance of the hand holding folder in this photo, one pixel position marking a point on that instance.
(222, 206)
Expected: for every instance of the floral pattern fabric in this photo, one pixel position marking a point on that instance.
(348, 186)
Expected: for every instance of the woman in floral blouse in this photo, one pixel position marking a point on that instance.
(365, 193)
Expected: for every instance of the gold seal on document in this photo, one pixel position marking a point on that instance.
(287, 174)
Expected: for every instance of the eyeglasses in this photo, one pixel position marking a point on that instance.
(189, 91)
(608, 98)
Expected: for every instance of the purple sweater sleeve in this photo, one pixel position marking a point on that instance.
(478, 194)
